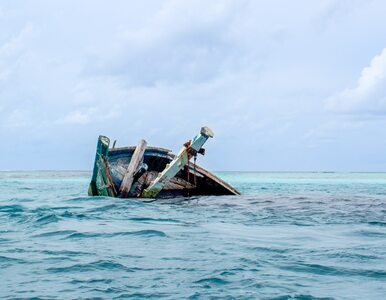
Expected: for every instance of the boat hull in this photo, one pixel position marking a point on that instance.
(111, 164)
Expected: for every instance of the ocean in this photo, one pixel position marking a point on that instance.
(288, 236)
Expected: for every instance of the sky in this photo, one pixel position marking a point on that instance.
(285, 85)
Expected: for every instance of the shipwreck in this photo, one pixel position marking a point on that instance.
(152, 172)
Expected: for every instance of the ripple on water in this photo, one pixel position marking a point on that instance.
(48, 218)
(335, 270)
(300, 297)
(11, 208)
(144, 233)
(212, 281)
(92, 266)
(153, 220)
(54, 233)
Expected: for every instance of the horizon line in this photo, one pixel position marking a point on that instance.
(233, 171)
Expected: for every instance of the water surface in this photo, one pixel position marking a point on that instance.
(289, 236)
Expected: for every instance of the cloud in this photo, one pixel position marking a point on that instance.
(369, 95)
(12, 51)
(87, 116)
(181, 43)
(77, 117)
(257, 72)
(16, 119)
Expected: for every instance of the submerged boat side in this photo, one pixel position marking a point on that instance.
(199, 181)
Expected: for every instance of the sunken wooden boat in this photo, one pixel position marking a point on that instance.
(152, 172)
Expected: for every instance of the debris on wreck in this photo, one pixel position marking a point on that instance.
(151, 172)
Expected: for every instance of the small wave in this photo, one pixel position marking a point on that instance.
(300, 198)
(80, 235)
(335, 271)
(54, 233)
(315, 269)
(9, 259)
(65, 252)
(21, 200)
(6, 261)
(146, 219)
(91, 281)
(148, 232)
(117, 204)
(68, 214)
(377, 223)
(97, 265)
(212, 281)
(50, 218)
(300, 297)
(371, 233)
(231, 272)
(108, 290)
(3, 240)
(81, 199)
(269, 249)
(65, 207)
(103, 208)
(47, 216)
(155, 295)
(352, 256)
(11, 208)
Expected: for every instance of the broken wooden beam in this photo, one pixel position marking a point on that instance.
(135, 163)
(178, 162)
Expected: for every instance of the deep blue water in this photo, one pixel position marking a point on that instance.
(289, 236)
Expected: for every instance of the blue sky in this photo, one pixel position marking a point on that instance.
(285, 85)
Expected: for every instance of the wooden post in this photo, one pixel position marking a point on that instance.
(178, 163)
(134, 164)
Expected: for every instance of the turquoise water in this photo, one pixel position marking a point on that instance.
(289, 236)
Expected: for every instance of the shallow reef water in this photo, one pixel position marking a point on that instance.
(288, 236)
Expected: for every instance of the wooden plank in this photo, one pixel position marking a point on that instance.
(138, 184)
(178, 162)
(132, 148)
(134, 164)
(178, 184)
(227, 186)
(107, 178)
(104, 184)
(101, 152)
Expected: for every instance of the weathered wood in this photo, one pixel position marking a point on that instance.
(219, 181)
(101, 153)
(178, 162)
(107, 188)
(178, 184)
(132, 148)
(139, 181)
(134, 164)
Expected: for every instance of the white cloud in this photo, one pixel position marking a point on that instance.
(17, 42)
(77, 117)
(89, 115)
(16, 119)
(181, 43)
(369, 95)
(12, 51)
